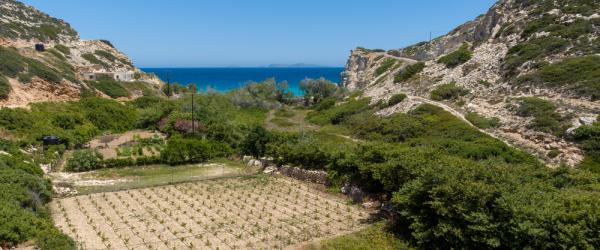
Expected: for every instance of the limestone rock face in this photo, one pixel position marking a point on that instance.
(495, 86)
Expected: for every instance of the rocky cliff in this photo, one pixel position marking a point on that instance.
(529, 67)
(60, 72)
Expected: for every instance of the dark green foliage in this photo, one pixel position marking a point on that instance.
(395, 99)
(56, 54)
(4, 87)
(255, 143)
(532, 50)
(180, 150)
(580, 74)
(111, 88)
(338, 113)
(42, 71)
(11, 62)
(545, 117)
(84, 160)
(387, 64)
(481, 121)
(105, 54)
(94, 60)
(458, 57)
(25, 193)
(109, 115)
(63, 49)
(588, 136)
(409, 72)
(395, 128)
(316, 90)
(326, 103)
(267, 94)
(449, 91)
(24, 77)
(538, 24)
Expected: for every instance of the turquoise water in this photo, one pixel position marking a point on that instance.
(224, 79)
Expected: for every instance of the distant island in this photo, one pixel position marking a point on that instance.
(297, 65)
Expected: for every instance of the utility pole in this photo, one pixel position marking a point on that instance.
(429, 36)
(193, 121)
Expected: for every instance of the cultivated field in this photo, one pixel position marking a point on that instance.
(232, 213)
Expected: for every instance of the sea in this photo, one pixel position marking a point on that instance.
(225, 79)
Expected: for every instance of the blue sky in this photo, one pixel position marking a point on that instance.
(203, 33)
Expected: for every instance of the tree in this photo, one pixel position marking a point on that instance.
(256, 141)
(316, 90)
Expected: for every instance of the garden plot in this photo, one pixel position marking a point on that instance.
(233, 213)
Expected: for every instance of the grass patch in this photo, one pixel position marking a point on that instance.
(409, 72)
(338, 113)
(284, 113)
(42, 71)
(458, 57)
(111, 88)
(532, 50)
(282, 122)
(373, 237)
(482, 122)
(386, 65)
(449, 91)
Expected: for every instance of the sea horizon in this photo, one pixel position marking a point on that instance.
(223, 79)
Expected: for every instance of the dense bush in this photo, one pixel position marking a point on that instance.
(25, 193)
(338, 113)
(256, 141)
(42, 71)
(385, 66)
(481, 121)
(63, 49)
(545, 117)
(458, 57)
(94, 60)
(409, 71)
(316, 90)
(182, 150)
(105, 54)
(581, 74)
(111, 88)
(11, 62)
(532, 50)
(4, 87)
(84, 160)
(109, 115)
(448, 91)
(395, 99)
(267, 94)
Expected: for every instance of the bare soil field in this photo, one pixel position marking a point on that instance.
(108, 144)
(231, 213)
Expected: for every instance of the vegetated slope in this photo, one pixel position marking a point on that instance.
(56, 73)
(544, 49)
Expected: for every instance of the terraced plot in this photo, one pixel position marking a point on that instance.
(234, 213)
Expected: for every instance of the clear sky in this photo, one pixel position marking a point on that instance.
(211, 33)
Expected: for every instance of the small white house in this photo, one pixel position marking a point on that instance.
(125, 76)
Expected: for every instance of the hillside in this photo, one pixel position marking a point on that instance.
(67, 68)
(526, 72)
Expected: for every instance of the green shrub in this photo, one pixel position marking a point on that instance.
(111, 88)
(94, 60)
(180, 151)
(42, 71)
(448, 91)
(284, 113)
(458, 57)
(57, 54)
(4, 87)
(409, 72)
(11, 62)
(532, 50)
(338, 113)
(107, 55)
(481, 121)
(84, 160)
(545, 117)
(395, 99)
(63, 49)
(387, 64)
(326, 103)
(580, 74)
(255, 142)
(24, 77)
(108, 115)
